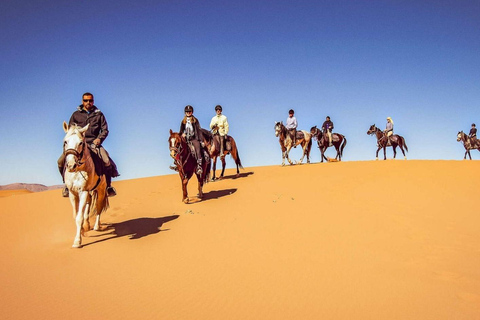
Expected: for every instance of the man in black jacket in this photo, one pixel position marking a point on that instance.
(97, 132)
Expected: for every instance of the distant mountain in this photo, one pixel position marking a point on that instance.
(33, 187)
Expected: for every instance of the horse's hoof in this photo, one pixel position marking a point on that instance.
(376, 158)
(186, 200)
(405, 158)
(76, 245)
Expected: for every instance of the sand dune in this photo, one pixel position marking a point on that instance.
(347, 240)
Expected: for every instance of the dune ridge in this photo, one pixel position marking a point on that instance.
(362, 240)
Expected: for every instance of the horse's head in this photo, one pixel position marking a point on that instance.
(175, 143)
(372, 129)
(315, 132)
(460, 135)
(73, 145)
(278, 128)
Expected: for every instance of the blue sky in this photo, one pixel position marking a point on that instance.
(356, 61)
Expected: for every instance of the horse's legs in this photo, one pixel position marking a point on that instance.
(403, 151)
(385, 153)
(286, 155)
(469, 155)
(376, 156)
(184, 189)
(304, 146)
(77, 242)
(100, 204)
(200, 186)
(214, 166)
(338, 157)
(224, 163)
(394, 151)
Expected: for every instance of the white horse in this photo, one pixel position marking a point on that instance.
(86, 189)
(304, 139)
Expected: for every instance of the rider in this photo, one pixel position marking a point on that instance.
(219, 126)
(473, 134)
(291, 126)
(328, 127)
(190, 130)
(389, 129)
(97, 132)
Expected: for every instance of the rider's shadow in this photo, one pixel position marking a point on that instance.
(235, 176)
(135, 228)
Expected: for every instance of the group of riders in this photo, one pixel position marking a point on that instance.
(190, 129)
(97, 132)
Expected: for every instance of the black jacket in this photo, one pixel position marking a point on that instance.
(98, 127)
(327, 124)
(196, 128)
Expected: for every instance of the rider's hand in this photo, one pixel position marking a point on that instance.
(97, 142)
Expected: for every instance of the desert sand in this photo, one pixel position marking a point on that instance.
(346, 240)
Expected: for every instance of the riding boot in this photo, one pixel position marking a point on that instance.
(111, 192)
(222, 146)
(199, 167)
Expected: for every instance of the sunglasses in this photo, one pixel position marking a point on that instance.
(87, 100)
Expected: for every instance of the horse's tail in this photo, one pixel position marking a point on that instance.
(404, 144)
(235, 154)
(344, 143)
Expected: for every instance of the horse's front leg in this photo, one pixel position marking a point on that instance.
(214, 167)
(82, 195)
(376, 156)
(184, 189)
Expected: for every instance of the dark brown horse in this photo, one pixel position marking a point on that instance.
(187, 164)
(338, 141)
(468, 144)
(212, 143)
(395, 140)
(303, 138)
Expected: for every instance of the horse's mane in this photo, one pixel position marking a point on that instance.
(207, 134)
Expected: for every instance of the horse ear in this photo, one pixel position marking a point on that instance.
(65, 127)
(171, 131)
(82, 130)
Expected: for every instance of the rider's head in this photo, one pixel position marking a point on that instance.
(218, 108)
(291, 112)
(473, 124)
(328, 118)
(87, 101)
(188, 110)
(389, 119)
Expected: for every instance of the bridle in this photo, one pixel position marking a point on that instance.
(78, 155)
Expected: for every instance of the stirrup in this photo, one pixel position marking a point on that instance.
(111, 192)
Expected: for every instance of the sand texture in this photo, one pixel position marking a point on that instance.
(346, 240)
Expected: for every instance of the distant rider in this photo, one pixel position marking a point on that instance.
(291, 126)
(327, 127)
(389, 129)
(219, 126)
(97, 132)
(190, 130)
(473, 135)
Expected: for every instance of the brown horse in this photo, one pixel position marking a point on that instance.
(187, 164)
(395, 140)
(468, 144)
(338, 141)
(303, 138)
(212, 142)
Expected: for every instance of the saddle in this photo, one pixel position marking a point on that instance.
(299, 135)
(191, 148)
(100, 168)
(228, 143)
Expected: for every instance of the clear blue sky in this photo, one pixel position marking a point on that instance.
(357, 61)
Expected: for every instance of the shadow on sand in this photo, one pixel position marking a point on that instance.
(234, 176)
(134, 229)
(215, 194)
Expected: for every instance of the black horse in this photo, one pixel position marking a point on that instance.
(382, 142)
(338, 141)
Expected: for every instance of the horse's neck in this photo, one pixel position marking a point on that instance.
(379, 133)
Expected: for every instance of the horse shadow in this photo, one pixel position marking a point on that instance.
(235, 176)
(215, 194)
(134, 229)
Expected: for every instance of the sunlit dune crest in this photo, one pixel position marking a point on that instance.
(344, 240)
